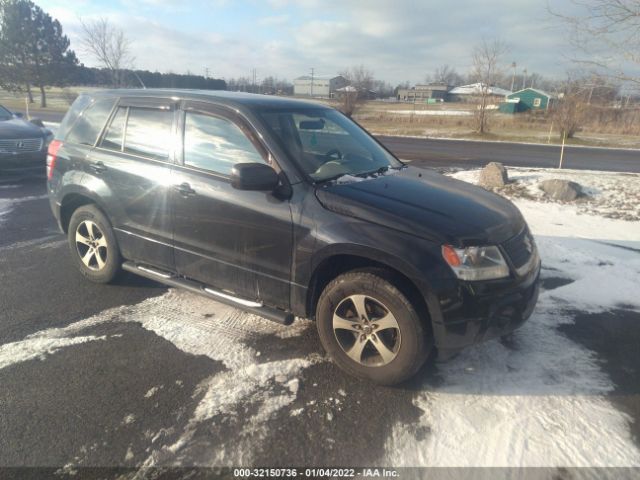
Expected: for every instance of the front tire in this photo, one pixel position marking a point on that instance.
(370, 328)
(93, 245)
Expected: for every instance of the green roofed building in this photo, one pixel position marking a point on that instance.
(529, 99)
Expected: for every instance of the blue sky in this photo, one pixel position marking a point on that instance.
(398, 41)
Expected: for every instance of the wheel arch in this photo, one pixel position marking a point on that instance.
(73, 200)
(335, 263)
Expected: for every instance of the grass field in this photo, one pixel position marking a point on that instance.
(445, 120)
(456, 120)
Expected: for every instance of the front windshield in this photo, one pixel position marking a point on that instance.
(5, 114)
(326, 144)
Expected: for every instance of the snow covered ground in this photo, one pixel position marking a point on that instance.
(542, 404)
(539, 400)
(607, 194)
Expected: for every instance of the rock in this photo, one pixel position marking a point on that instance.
(562, 190)
(493, 175)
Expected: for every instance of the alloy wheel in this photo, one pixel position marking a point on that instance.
(91, 245)
(366, 330)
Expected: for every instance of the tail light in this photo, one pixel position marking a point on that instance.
(52, 155)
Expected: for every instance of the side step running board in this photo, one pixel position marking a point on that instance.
(285, 318)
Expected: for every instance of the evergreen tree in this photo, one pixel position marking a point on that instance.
(33, 49)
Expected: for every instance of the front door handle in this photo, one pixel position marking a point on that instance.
(184, 189)
(98, 167)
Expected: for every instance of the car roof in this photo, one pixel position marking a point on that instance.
(241, 100)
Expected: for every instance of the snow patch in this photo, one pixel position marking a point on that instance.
(349, 179)
(152, 392)
(129, 419)
(8, 204)
(38, 347)
(293, 385)
(608, 194)
(296, 329)
(186, 321)
(129, 455)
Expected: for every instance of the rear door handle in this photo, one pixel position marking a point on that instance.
(98, 167)
(185, 189)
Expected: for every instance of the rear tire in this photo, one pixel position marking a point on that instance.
(93, 245)
(370, 328)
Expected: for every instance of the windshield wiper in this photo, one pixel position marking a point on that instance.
(372, 172)
(361, 174)
(335, 177)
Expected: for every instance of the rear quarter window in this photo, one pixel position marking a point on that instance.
(89, 123)
(115, 133)
(69, 119)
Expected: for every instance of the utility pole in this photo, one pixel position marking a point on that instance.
(513, 78)
(206, 72)
(524, 78)
(593, 84)
(311, 91)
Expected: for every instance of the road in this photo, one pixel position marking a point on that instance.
(466, 154)
(134, 374)
(442, 153)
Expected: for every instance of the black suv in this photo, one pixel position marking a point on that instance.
(284, 207)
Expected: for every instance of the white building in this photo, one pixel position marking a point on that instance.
(475, 90)
(318, 85)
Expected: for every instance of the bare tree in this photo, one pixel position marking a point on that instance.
(109, 45)
(349, 100)
(487, 71)
(607, 32)
(445, 74)
(359, 77)
(360, 81)
(570, 107)
(578, 98)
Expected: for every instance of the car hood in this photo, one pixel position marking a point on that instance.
(18, 128)
(425, 203)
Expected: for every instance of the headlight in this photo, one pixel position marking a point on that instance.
(476, 263)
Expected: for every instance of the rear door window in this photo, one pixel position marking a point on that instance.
(145, 132)
(148, 132)
(89, 123)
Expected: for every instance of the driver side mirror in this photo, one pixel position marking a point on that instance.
(254, 176)
(18, 114)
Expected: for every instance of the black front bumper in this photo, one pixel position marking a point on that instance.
(23, 163)
(480, 311)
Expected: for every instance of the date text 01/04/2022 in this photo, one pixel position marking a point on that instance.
(314, 473)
